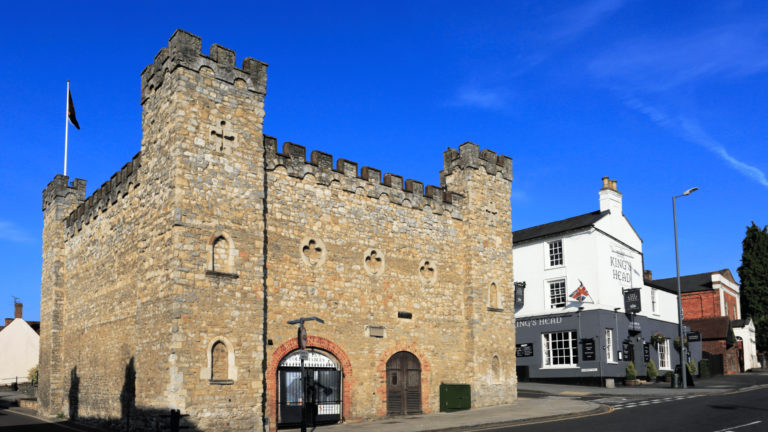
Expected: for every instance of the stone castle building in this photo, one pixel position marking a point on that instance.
(171, 285)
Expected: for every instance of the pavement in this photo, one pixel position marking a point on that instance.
(709, 386)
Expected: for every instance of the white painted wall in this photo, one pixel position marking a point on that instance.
(747, 335)
(606, 258)
(19, 351)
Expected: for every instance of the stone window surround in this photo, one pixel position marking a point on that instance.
(206, 372)
(319, 243)
(432, 265)
(229, 266)
(498, 306)
(499, 379)
(367, 266)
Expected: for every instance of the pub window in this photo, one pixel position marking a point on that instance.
(557, 294)
(664, 354)
(609, 345)
(653, 301)
(555, 253)
(560, 349)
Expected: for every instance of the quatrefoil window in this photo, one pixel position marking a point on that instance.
(374, 262)
(313, 251)
(428, 271)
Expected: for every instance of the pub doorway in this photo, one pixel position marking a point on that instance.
(403, 384)
(322, 394)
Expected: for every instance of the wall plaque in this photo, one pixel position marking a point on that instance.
(588, 352)
(632, 300)
(524, 350)
(694, 336)
(646, 352)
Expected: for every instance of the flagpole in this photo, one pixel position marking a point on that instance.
(66, 130)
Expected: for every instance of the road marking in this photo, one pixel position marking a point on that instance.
(736, 427)
(610, 410)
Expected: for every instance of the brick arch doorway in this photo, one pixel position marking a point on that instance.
(319, 397)
(403, 384)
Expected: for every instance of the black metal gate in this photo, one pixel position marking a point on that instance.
(323, 397)
(715, 363)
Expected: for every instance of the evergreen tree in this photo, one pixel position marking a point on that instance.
(753, 273)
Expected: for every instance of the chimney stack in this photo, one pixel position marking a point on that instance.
(610, 197)
(648, 275)
(8, 321)
(17, 311)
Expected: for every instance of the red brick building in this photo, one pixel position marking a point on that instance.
(717, 338)
(710, 302)
(707, 295)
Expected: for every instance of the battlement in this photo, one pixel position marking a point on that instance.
(185, 50)
(320, 165)
(469, 155)
(116, 187)
(60, 188)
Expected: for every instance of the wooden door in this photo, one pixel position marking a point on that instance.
(403, 384)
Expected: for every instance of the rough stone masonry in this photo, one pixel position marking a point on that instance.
(170, 286)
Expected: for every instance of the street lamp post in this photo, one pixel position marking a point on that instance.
(302, 339)
(683, 365)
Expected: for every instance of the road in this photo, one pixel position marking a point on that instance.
(739, 411)
(745, 411)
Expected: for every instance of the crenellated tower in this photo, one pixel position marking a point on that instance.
(484, 179)
(203, 154)
(59, 199)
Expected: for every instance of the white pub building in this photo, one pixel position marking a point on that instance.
(563, 340)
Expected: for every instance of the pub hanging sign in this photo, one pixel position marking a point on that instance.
(632, 300)
(519, 293)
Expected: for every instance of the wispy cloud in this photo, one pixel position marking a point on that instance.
(662, 64)
(9, 231)
(574, 21)
(473, 96)
(690, 130)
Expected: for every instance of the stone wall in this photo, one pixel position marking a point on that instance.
(131, 301)
(170, 286)
(355, 250)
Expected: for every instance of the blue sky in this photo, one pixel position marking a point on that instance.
(662, 96)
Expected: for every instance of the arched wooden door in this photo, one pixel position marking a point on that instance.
(403, 384)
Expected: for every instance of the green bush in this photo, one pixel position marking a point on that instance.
(631, 371)
(691, 365)
(669, 374)
(33, 375)
(651, 370)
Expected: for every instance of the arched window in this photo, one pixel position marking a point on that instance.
(221, 367)
(220, 257)
(221, 254)
(496, 369)
(494, 297)
(219, 362)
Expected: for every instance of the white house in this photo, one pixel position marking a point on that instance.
(19, 347)
(744, 329)
(562, 339)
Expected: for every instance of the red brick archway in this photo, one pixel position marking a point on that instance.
(314, 342)
(381, 370)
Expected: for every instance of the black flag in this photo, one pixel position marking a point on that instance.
(71, 113)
